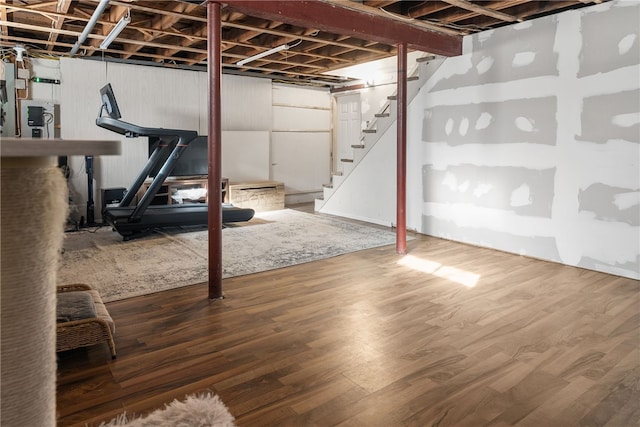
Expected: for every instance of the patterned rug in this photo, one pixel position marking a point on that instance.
(170, 259)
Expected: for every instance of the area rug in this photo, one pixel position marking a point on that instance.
(206, 410)
(161, 261)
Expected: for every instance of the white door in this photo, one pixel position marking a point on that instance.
(348, 127)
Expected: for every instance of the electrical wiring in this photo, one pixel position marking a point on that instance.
(5, 53)
(297, 44)
(47, 122)
(396, 16)
(45, 55)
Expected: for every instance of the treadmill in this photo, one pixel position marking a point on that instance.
(135, 221)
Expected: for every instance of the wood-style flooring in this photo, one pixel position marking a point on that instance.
(451, 335)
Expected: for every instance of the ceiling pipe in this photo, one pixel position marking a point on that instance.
(87, 30)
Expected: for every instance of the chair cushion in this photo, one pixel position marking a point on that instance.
(75, 305)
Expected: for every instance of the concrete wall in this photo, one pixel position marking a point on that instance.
(530, 140)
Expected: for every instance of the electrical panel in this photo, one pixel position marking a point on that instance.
(39, 119)
(35, 116)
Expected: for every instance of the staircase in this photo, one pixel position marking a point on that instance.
(418, 75)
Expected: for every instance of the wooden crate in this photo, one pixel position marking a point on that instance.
(258, 195)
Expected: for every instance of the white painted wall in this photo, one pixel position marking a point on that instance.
(146, 96)
(369, 192)
(48, 69)
(172, 98)
(301, 140)
(380, 76)
(529, 143)
(245, 155)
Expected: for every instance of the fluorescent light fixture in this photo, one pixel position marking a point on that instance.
(116, 31)
(263, 54)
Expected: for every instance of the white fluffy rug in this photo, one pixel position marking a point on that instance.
(205, 410)
(168, 260)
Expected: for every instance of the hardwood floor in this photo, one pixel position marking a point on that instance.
(451, 335)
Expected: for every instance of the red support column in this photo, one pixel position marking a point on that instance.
(214, 69)
(401, 168)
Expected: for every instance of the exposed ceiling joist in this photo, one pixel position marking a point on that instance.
(335, 17)
(481, 10)
(62, 7)
(323, 35)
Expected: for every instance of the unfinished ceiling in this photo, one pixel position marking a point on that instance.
(174, 33)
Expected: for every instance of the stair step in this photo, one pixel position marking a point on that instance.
(368, 138)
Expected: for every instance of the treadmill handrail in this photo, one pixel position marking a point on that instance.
(181, 139)
(133, 131)
(165, 170)
(144, 173)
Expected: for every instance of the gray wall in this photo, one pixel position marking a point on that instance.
(530, 140)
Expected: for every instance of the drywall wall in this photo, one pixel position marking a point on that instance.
(529, 143)
(530, 140)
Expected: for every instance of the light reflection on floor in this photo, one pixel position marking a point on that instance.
(454, 274)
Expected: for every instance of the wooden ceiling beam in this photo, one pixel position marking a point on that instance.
(61, 7)
(153, 10)
(455, 15)
(162, 22)
(43, 4)
(4, 30)
(481, 10)
(150, 55)
(526, 11)
(197, 38)
(97, 37)
(398, 16)
(378, 3)
(243, 27)
(427, 8)
(285, 34)
(166, 21)
(199, 32)
(339, 18)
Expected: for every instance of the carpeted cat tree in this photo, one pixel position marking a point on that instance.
(33, 211)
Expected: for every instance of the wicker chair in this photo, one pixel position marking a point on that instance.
(86, 331)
